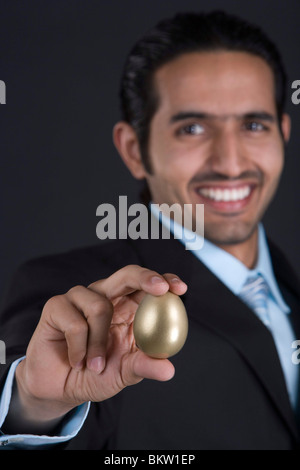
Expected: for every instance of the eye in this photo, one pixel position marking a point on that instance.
(191, 129)
(255, 126)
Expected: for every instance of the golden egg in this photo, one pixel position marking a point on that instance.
(160, 325)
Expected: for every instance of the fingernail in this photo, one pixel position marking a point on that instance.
(96, 364)
(176, 280)
(156, 280)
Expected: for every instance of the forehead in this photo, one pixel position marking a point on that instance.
(219, 82)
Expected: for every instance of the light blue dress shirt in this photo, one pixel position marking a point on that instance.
(233, 274)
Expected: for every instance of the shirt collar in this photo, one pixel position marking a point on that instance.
(232, 272)
(265, 268)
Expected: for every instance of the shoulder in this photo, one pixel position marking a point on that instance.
(54, 274)
(85, 261)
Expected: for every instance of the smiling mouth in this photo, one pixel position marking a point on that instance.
(226, 194)
(227, 199)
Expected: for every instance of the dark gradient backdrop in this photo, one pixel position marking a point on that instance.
(61, 61)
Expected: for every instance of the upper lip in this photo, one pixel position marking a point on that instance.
(225, 185)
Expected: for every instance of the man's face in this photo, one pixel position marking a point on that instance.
(215, 140)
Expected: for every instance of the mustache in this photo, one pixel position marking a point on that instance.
(214, 177)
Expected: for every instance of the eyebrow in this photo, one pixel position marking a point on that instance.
(184, 115)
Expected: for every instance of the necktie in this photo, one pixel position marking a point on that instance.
(255, 293)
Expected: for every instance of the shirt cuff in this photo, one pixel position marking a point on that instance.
(69, 430)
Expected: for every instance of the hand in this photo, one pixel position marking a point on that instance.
(83, 348)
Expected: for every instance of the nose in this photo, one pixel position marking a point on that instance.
(227, 156)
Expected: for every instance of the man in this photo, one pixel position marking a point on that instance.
(203, 123)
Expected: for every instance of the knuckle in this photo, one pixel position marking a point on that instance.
(140, 271)
(77, 327)
(100, 307)
(75, 289)
(53, 303)
(133, 266)
(130, 268)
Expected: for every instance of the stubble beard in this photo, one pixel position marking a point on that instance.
(233, 233)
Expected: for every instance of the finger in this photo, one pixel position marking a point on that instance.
(98, 311)
(130, 279)
(142, 366)
(177, 286)
(64, 317)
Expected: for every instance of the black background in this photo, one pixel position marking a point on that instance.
(61, 62)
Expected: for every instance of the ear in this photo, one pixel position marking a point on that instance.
(126, 142)
(286, 127)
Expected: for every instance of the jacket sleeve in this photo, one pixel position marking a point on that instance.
(33, 284)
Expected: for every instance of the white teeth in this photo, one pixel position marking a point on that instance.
(235, 194)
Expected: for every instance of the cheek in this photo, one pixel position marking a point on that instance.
(267, 155)
(176, 163)
(170, 168)
(272, 162)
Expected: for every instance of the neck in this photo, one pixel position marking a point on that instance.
(246, 252)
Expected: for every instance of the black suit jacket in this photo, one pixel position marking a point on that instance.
(228, 391)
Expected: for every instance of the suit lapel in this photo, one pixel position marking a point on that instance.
(212, 304)
(290, 288)
(288, 282)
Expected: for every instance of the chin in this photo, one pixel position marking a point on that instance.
(230, 235)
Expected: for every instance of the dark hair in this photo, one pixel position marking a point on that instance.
(188, 32)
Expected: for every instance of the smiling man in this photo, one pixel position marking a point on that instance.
(216, 139)
(203, 123)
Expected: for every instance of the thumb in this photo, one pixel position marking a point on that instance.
(140, 366)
